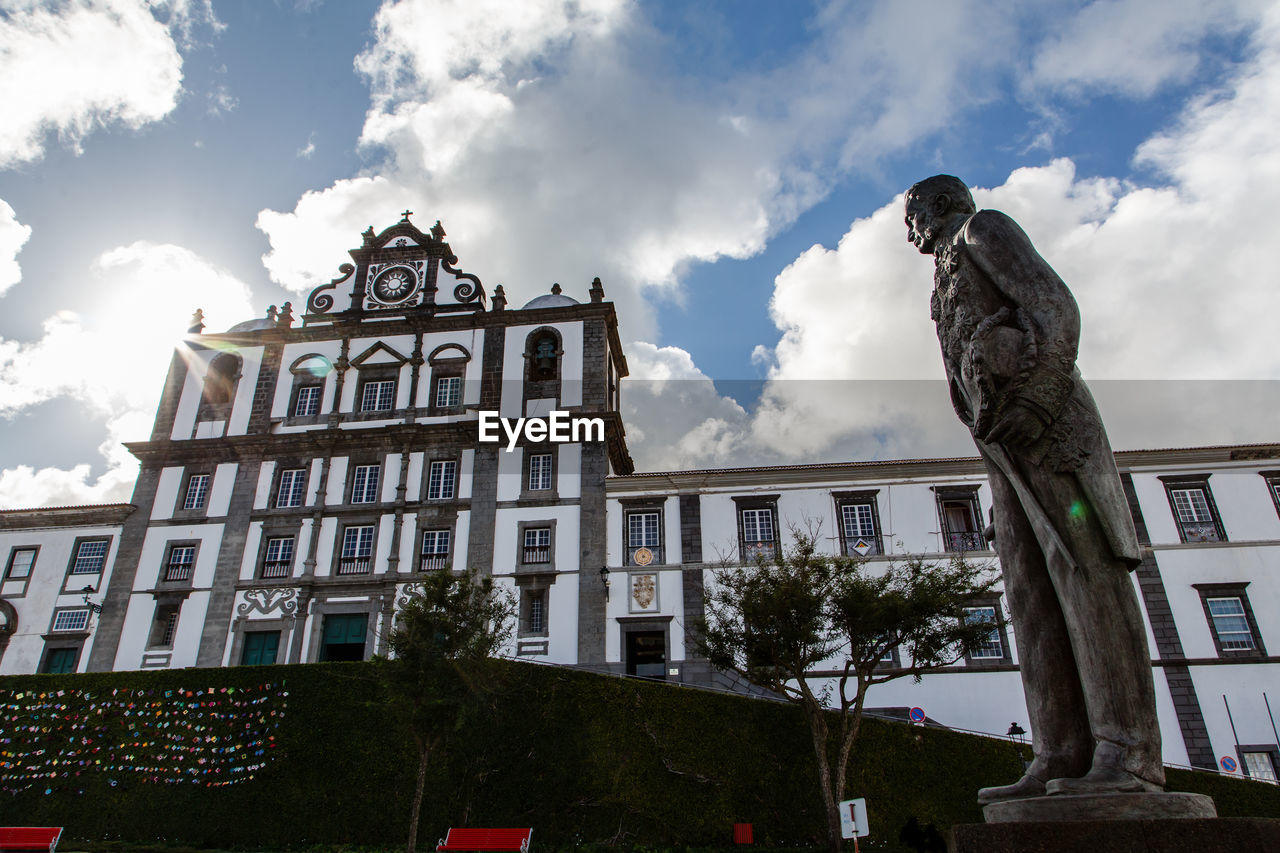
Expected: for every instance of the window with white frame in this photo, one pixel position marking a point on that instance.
(164, 627)
(91, 555)
(759, 537)
(21, 561)
(293, 483)
(448, 392)
(961, 517)
(378, 395)
(537, 545)
(76, 619)
(537, 612)
(1259, 764)
(307, 404)
(181, 560)
(277, 559)
(197, 492)
(364, 484)
(435, 550)
(993, 647)
(357, 550)
(1230, 624)
(859, 524)
(540, 472)
(644, 530)
(1194, 509)
(441, 480)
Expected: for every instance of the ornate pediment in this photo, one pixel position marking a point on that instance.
(397, 271)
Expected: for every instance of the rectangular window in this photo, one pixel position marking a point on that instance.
(378, 396)
(540, 472)
(440, 483)
(278, 560)
(537, 545)
(364, 484)
(644, 530)
(197, 491)
(165, 627)
(71, 620)
(1230, 624)
(357, 550)
(293, 482)
(91, 555)
(858, 529)
(448, 392)
(1195, 519)
(260, 648)
(537, 612)
(21, 561)
(308, 403)
(961, 518)
(181, 560)
(1273, 486)
(435, 550)
(993, 647)
(1259, 765)
(758, 536)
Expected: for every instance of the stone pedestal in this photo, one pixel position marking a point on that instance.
(1184, 835)
(1099, 807)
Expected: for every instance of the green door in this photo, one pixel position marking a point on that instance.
(344, 637)
(260, 647)
(60, 660)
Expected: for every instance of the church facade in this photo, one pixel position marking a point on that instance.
(305, 472)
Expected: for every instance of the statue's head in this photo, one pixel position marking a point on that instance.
(931, 204)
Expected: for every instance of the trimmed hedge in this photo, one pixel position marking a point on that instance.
(585, 759)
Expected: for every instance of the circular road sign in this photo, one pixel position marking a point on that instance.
(1228, 764)
(916, 715)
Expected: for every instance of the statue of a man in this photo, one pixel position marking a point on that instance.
(1009, 330)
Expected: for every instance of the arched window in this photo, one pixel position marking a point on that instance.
(448, 369)
(543, 353)
(309, 374)
(220, 382)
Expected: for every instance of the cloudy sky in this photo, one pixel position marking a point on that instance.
(732, 170)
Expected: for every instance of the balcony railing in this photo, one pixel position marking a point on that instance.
(177, 572)
(354, 565)
(1200, 531)
(966, 540)
(870, 547)
(276, 568)
(752, 551)
(433, 562)
(538, 554)
(654, 550)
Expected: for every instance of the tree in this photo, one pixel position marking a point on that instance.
(777, 622)
(442, 645)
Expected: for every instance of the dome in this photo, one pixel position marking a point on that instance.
(554, 299)
(550, 300)
(252, 325)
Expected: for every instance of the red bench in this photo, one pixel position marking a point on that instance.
(461, 838)
(29, 838)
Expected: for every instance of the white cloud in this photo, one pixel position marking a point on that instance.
(557, 143)
(1133, 47)
(97, 63)
(1169, 280)
(13, 236)
(112, 359)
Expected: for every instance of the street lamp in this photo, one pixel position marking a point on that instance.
(93, 608)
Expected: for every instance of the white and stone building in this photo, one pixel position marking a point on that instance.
(303, 473)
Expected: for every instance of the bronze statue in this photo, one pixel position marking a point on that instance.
(1009, 330)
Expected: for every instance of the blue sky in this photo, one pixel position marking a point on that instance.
(731, 170)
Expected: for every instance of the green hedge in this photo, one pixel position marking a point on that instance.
(584, 759)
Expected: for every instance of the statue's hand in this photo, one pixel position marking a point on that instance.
(1020, 426)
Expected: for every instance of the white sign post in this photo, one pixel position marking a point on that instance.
(853, 820)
